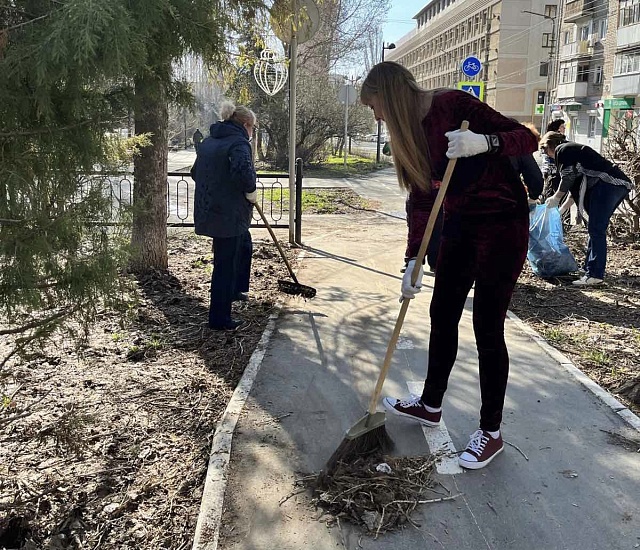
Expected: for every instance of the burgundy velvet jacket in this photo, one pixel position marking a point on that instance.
(483, 187)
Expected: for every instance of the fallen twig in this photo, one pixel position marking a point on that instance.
(517, 448)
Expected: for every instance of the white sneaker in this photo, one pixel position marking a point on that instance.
(585, 280)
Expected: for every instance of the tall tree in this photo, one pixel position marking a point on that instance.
(169, 29)
(346, 27)
(58, 257)
(72, 73)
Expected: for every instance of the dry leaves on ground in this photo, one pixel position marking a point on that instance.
(597, 327)
(114, 451)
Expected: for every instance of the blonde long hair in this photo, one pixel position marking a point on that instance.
(403, 105)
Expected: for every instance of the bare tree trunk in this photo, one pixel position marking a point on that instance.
(149, 232)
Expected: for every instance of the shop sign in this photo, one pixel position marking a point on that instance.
(619, 103)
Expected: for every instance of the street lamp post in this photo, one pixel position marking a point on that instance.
(387, 47)
(350, 82)
(550, 67)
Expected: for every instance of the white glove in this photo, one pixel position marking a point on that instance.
(466, 144)
(553, 201)
(407, 290)
(252, 197)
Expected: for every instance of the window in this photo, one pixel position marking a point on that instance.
(591, 132)
(566, 37)
(544, 68)
(598, 75)
(583, 73)
(602, 29)
(547, 40)
(584, 32)
(565, 75)
(550, 10)
(627, 63)
(629, 13)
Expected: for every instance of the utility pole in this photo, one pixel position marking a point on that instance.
(550, 67)
(387, 47)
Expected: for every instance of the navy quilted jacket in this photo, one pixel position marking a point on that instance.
(223, 173)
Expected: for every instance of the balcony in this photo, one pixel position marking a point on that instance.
(626, 85)
(628, 36)
(580, 48)
(572, 90)
(578, 9)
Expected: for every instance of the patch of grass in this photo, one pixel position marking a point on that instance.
(201, 262)
(598, 357)
(6, 401)
(117, 337)
(317, 201)
(555, 335)
(155, 343)
(333, 167)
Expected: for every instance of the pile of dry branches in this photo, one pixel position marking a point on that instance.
(379, 493)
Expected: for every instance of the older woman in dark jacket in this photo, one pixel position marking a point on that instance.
(597, 186)
(225, 192)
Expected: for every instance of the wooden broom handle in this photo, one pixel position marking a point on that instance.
(414, 277)
(275, 241)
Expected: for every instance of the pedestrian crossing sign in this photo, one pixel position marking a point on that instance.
(474, 88)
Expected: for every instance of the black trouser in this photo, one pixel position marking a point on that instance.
(231, 273)
(491, 254)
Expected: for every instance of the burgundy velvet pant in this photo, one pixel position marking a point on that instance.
(491, 254)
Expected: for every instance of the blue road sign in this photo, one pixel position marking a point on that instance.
(474, 88)
(471, 66)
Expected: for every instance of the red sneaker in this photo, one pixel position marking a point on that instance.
(481, 449)
(413, 408)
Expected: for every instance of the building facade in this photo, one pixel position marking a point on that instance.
(577, 60)
(598, 67)
(516, 49)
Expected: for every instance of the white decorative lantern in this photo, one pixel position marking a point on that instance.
(270, 73)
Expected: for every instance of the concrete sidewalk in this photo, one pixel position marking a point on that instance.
(565, 486)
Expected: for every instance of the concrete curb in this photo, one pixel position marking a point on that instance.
(208, 525)
(628, 416)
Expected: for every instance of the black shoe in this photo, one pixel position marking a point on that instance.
(241, 297)
(230, 325)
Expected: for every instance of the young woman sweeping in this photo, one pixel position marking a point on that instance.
(484, 237)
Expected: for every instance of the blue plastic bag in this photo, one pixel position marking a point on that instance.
(548, 255)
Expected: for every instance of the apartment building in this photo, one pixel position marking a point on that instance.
(598, 67)
(515, 48)
(581, 69)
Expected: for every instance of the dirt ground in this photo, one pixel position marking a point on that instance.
(107, 447)
(112, 449)
(598, 327)
(113, 452)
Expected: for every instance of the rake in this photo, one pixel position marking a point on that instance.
(294, 288)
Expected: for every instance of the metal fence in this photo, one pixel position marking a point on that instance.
(273, 192)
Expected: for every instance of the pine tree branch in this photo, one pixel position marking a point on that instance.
(47, 129)
(24, 23)
(39, 322)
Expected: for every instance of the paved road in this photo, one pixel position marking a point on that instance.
(574, 489)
